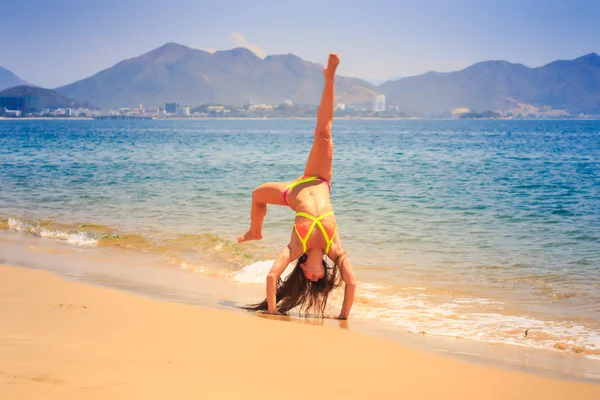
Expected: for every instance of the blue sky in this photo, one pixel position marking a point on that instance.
(52, 43)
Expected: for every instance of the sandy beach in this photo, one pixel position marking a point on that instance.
(66, 340)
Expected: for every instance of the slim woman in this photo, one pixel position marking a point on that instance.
(315, 233)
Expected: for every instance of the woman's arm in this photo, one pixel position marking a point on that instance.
(280, 264)
(341, 260)
(349, 284)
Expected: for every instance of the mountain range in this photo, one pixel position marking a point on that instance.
(174, 72)
(573, 86)
(177, 73)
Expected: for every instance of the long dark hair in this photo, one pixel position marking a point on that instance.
(296, 291)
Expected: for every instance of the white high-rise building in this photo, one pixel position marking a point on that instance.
(379, 103)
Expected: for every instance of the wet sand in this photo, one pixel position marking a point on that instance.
(67, 340)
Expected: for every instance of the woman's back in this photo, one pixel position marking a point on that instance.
(311, 198)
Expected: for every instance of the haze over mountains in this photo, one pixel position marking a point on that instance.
(178, 73)
(9, 79)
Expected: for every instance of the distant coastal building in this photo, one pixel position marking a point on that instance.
(183, 112)
(379, 103)
(10, 113)
(262, 107)
(247, 101)
(171, 108)
(340, 106)
(457, 112)
(29, 103)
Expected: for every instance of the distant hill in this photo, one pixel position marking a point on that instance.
(178, 73)
(572, 85)
(8, 79)
(47, 99)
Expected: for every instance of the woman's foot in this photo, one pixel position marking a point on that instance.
(332, 65)
(246, 237)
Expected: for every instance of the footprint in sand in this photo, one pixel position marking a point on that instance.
(66, 305)
(33, 377)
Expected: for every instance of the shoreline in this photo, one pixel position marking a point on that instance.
(47, 119)
(150, 275)
(72, 340)
(294, 118)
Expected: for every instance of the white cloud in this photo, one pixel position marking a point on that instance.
(239, 40)
(208, 50)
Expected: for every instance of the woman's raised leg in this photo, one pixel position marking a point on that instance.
(321, 154)
(268, 193)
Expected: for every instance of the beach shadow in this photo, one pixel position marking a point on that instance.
(290, 317)
(229, 303)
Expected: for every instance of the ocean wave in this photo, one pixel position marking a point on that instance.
(257, 272)
(41, 229)
(189, 251)
(477, 319)
(76, 238)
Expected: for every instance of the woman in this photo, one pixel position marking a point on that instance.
(315, 231)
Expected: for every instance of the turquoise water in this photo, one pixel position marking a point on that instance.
(472, 229)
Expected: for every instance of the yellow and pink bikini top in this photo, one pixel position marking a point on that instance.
(305, 228)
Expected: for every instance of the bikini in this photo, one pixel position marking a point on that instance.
(328, 228)
(304, 179)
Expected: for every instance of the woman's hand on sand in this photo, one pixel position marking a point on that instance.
(339, 317)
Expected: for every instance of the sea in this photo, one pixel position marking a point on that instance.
(483, 232)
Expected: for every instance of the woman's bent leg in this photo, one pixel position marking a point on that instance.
(268, 193)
